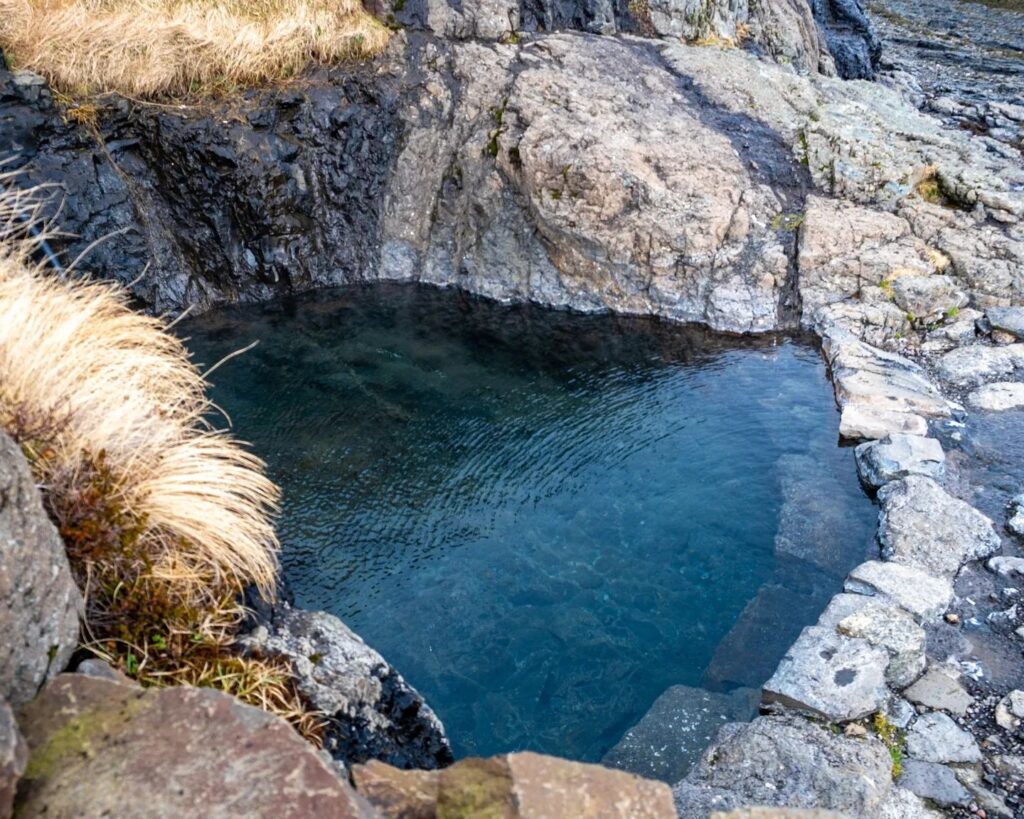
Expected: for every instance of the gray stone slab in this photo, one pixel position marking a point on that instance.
(831, 676)
(934, 782)
(897, 456)
(937, 738)
(923, 595)
(940, 690)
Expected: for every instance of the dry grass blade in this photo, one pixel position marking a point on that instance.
(151, 48)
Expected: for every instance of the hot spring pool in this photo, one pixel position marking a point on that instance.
(544, 520)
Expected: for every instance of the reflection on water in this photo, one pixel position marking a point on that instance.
(543, 520)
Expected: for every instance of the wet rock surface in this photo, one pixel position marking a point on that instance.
(371, 711)
(100, 748)
(39, 601)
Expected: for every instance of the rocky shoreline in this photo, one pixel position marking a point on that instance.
(746, 189)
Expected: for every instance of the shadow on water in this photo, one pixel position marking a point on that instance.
(544, 519)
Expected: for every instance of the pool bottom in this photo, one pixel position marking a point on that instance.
(544, 520)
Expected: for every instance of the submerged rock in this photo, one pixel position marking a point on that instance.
(514, 786)
(371, 711)
(39, 601)
(897, 456)
(675, 731)
(787, 761)
(101, 748)
(924, 526)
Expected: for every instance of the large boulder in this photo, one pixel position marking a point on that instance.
(787, 762)
(978, 364)
(39, 602)
(371, 711)
(13, 758)
(514, 786)
(101, 748)
(922, 525)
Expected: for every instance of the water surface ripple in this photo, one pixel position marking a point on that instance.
(544, 520)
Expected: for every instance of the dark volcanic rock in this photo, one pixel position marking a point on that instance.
(99, 748)
(373, 713)
(850, 36)
(39, 602)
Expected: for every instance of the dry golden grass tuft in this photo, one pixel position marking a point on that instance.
(179, 48)
(165, 520)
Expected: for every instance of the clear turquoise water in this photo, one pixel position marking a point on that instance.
(543, 520)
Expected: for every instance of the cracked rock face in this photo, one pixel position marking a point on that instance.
(372, 712)
(39, 601)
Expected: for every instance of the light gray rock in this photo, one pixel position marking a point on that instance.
(904, 804)
(1003, 395)
(545, 187)
(884, 624)
(928, 298)
(1005, 566)
(896, 456)
(675, 731)
(867, 143)
(955, 332)
(924, 526)
(936, 738)
(900, 713)
(787, 761)
(371, 711)
(13, 758)
(933, 782)
(939, 689)
(845, 247)
(976, 364)
(894, 630)
(831, 676)
(39, 602)
(1008, 319)
(880, 393)
(1010, 710)
(922, 594)
(1016, 522)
